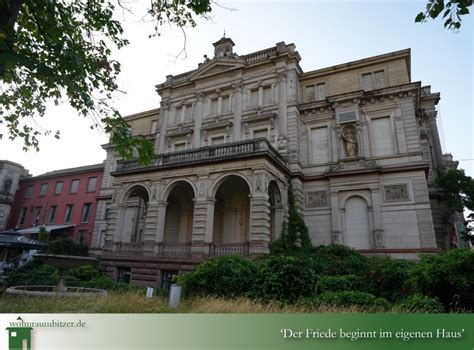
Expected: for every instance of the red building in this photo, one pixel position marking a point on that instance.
(62, 200)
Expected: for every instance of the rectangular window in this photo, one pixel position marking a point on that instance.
(267, 95)
(37, 216)
(321, 91)
(217, 140)
(379, 79)
(154, 124)
(382, 136)
(253, 98)
(68, 213)
(106, 211)
(52, 214)
(188, 113)
(58, 187)
(43, 190)
(309, 93)
(179, 146)
(85, 212)
(29, 191)
(226, 104)
(123, 274)
(167, 278)
(74, 186)
(91, 184)
(23, 213)
(81, 236)
(320, 145)
(367, 82)
(260, 133)
(213, 106)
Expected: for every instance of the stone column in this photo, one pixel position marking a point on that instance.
(160, 225)
(120, 209)
(164, 116)
(259, 235)
(150, 227)
(237, 112)
(377, 239)
(335, 222)
(198, 115)
(282, 112)
(203, 222)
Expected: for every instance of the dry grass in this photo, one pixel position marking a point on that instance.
(134, 302)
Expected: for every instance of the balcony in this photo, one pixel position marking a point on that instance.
(255, 147)
(229, 248)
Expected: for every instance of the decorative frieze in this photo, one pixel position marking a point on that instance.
(396, 193)
(316, 199)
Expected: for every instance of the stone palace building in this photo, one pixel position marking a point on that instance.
(358, 142)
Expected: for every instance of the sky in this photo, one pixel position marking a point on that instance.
(325, 33)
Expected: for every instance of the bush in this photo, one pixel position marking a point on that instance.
(226, 276)
(418, 303)
(34, 273)
(341, 283)
(349, 299)
(66, 246)
(448, 276)
(336, 259)
(387, 278)
(285, 279)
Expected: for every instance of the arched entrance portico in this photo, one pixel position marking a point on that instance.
(134, 214)
(179, 214)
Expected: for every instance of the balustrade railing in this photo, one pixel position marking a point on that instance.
(129, 247)
(240, 248)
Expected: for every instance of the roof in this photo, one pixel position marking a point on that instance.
(68, 171)
(16, 240)
(49, 228)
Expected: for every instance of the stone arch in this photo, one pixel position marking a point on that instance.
(221, 179)
(130, 189)
(231, 210)
(134, 202)
(170, 186)
(357, 222)
(178, 225)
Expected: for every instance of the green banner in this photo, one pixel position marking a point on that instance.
(237, 331)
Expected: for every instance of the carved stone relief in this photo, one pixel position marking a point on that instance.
(316, 199)
(396, 193)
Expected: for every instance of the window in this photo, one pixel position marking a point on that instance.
(367, 82)
(217, 140)
(106, 211)
(74, 186)
(267, 95)
(260, 133)
(373, 80)
(68, 213)
(81, 236)
(23, 213)
(43, 190)
(253, 98)
(37, 216)
(320, 145)
(379, 79)
(85, 212)
(226, 104)
(52, 214)
(213, 106)
(179, 146)
(309, 93)
(58, 187)
(321, 91)
(91, 184)
(166, 279)
(29, 191)
(154, 124)
(382, 136)
(123, 275)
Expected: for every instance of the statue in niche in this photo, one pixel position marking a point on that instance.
(349, 136)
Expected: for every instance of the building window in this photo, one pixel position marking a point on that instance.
(23, 213)
(260, 133)
(321, 91)
(179, 146)
(379, 79)
(58, 187)
(253, 98)
(309, 93)
(217, 140)
(37, 216)
(74, 186)
(52, 214)
(267, 95)
(213, 106)
(29, 191)
(167, 278)
(123, 275)
(319, 145)
(106, 211)
(382, 136)
(81, 237)
(154, 124)
(43, 190)
(91, 184)
(68, 213)
(367, 82)
(85, 212)
(373, 80)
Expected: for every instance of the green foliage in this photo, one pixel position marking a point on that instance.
(226, 276)
(294, 238)
(418, 303)
(337, 259)
(348, 299)
(451, 11)
(34, 273)
(56, 51)
(341, 283)
(448, 276)
(387, 277)
(285, 279)
(42, 234)
(66, 246)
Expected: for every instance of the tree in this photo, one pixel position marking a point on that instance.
(294, 237)
(56, 50)
(451, 10)
(459, 190)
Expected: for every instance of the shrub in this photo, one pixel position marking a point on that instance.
(388, 277)
(66, 246)
(418, 303)
(448, 276)
(285, 279)
(349, 299)
(341, 283)
(226, 276)
(336, 259)
(34, 273)
(85, 272)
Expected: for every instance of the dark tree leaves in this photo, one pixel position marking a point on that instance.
(451, 12)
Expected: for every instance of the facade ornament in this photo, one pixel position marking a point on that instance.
(316, 199)
(369, 164)
(349, 135)
(396, 193)
(335, 167)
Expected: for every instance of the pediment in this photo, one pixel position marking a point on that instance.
(217, 66)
